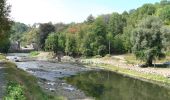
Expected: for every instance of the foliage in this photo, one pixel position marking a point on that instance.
(2, 57)
(44, 30)
(166, 37)
(164, 14)
(90, 19)
(105, 34)
(30, 36)
(4, 44)
(51, 43)
(147, 40)
(118, 46)
(17, 31)
(14, 92)
(34, 53)
(70, 48)
(4, 26)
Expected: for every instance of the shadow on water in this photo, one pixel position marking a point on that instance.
(104, 85)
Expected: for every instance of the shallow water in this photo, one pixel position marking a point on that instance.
(105, 85)
(102, 85)
(49, 74)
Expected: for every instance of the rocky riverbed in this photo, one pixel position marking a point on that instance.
(50, 74)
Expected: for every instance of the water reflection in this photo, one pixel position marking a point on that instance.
(104, 85)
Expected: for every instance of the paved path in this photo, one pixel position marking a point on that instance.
(2, 82)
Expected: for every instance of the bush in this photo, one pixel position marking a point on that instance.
(14, 92)
(34, 53)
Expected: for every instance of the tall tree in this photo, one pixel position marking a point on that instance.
(116, 24)
(44, 30)
(90, 19)
(5, 24)
(17, 31)
(147, 40)
(164, 14)
(51, 43)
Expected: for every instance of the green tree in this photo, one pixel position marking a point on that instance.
(51, 43)
(44, 30)
(90, 19)
(5, 24)
(87, 48)
(17, 31)
(118, 46)
(164, 14)
(147, 40)
(116, 24)
(70, 48)
(30, 36)
(166, 37)
(99, 33)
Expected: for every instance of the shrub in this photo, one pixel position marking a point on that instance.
(34, 53)
(14, 92)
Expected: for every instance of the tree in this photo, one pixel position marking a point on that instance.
(17, 31)
(166, 37)
(51, 43)
(87, 46)
(147, 40)
(70, 48)
(29, 37)
(164, 14)
(5, 24)
(116, 24)
(118, 46)
(44, 30)
(90, 19)
(99, 34)
(109, 38)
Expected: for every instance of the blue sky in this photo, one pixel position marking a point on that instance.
(35, 11)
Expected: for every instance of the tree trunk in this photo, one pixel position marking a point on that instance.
(149, 61)
(109, 47)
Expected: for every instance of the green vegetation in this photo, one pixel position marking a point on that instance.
(14, 92)
(147, 40)
(4, 26)
(2, 57)
(17, 31)
(34, 53)
(143, 31)
(30, 87)
(44, 31)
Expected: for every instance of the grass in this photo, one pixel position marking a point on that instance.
(34, 53)
(14, 92)
(168, 53)
(142, 76)
(2, 57)
(32, 90)
(131, 59)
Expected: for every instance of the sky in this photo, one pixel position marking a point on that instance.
(67, 11)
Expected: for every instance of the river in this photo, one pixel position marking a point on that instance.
(78, 82)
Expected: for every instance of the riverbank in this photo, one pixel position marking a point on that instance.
(125, 64)
(49, 73)
(31, 89)
(122, 65)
